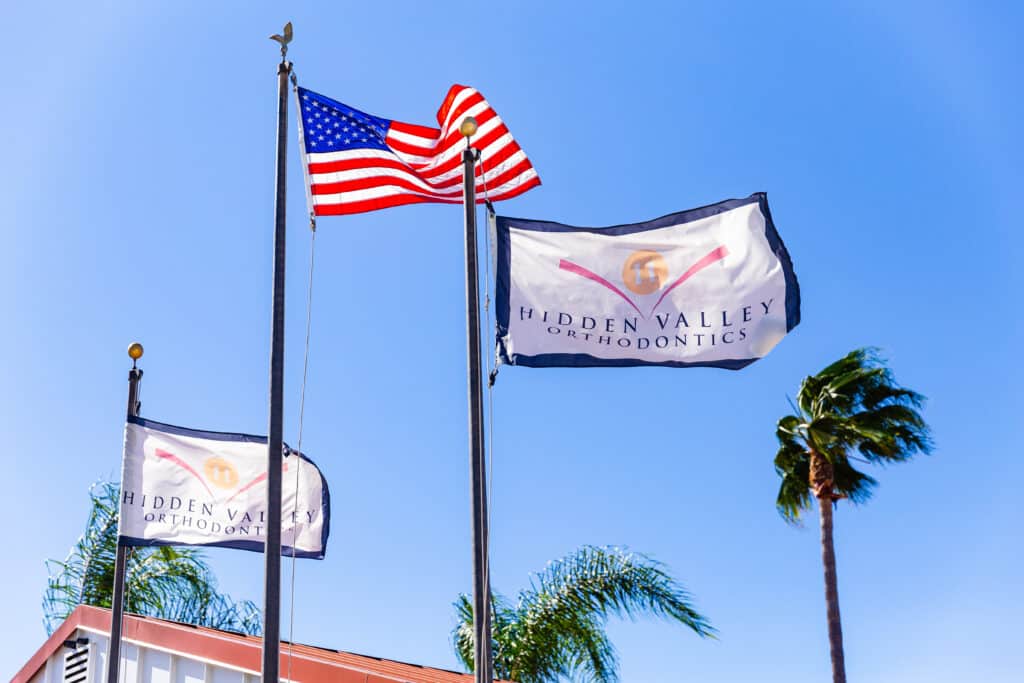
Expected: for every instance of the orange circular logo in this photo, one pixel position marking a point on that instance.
(644, 272)
(220, 473)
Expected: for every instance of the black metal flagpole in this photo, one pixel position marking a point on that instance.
(272, 549)
(121, 558)
(481, 584)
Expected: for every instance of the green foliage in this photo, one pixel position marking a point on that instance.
(556, 628)
(163, 581)
(853, 406)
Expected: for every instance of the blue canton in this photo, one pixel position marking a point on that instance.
(330, 126)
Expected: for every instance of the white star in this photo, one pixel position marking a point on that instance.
(331, 143)
(319, 125)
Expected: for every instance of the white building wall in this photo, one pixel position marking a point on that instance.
(100, 645)
(130, 662)
(189, 671)
(142, 664)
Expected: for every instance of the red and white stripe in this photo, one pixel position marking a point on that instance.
(424, 164)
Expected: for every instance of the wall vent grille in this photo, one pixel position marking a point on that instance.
(77, 664)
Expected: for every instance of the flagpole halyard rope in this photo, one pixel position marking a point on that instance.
(298, 447)
(491, 374)
(305, 358)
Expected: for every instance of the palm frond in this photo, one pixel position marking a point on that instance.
(850, 483)
(890, 394)
(462, 635)
(858, 358)
(606, 581)
(556, 629)
(214, 610)
(793, 465)
(87, 573)
(163, 581)
(790, 428)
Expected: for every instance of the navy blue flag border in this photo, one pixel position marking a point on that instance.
(253, 546)
(503, 284)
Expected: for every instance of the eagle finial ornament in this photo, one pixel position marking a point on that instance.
(284, 39)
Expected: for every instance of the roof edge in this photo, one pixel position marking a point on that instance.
(234, 651)
(52, 644)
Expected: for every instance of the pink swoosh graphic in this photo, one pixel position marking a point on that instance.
(580, 270)
(161, 453)
(715, 255)
(262, 477)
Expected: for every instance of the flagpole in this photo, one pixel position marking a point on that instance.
(121, 558)
(481, 583)
(272, 549)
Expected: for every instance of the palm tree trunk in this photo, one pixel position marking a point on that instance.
(828, 559)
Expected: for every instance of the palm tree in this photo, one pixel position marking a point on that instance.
(163, 581)
(556, 628)
(852, 406)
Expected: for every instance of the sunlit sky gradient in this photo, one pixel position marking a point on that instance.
(138, 192)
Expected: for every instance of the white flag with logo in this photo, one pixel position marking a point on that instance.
(188, 487)
(712, 286)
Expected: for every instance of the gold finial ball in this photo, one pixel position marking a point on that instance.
(468, 126)
(135, 351)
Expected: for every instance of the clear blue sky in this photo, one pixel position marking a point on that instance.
(137, 189)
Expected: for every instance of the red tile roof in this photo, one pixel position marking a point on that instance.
(309, 664)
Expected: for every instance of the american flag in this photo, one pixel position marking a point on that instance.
(358, 162)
